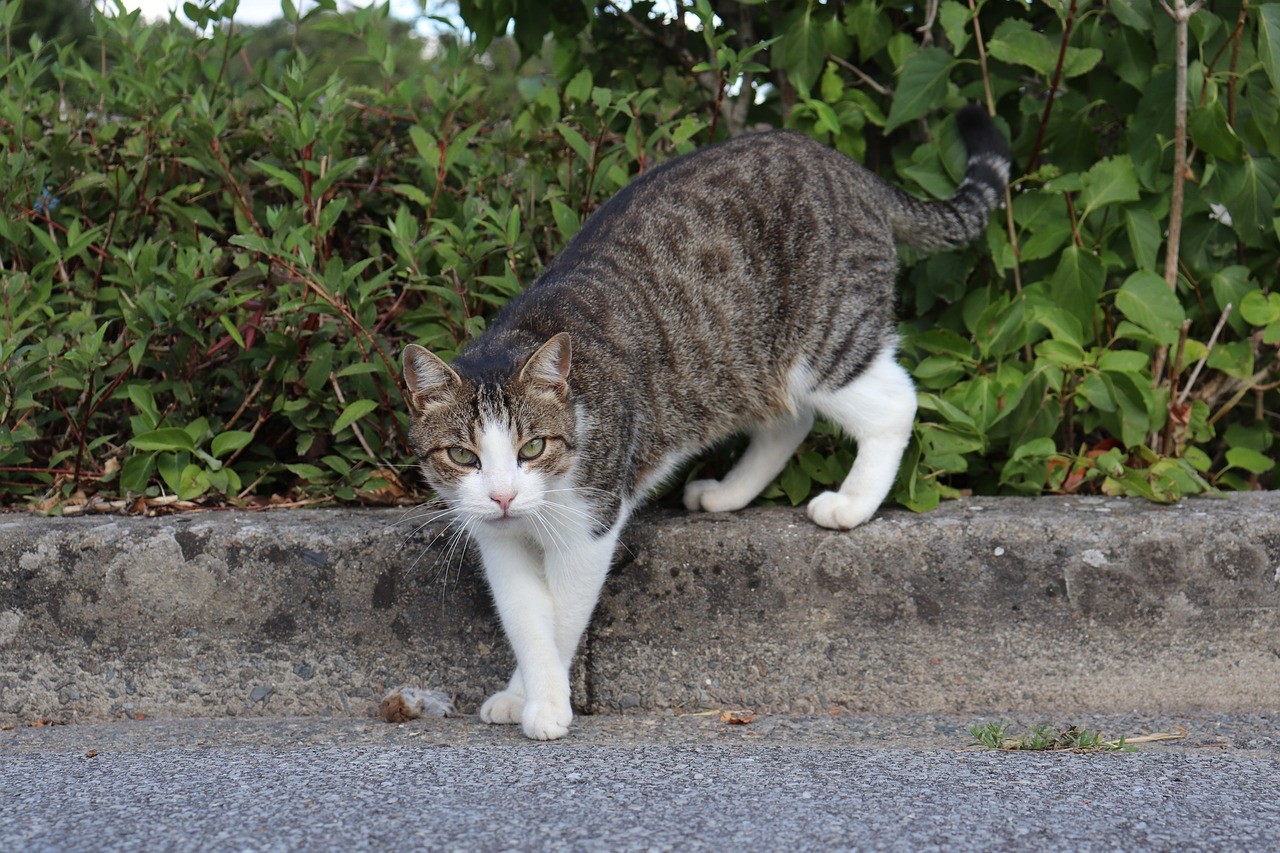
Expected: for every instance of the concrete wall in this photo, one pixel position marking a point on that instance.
(985, 604)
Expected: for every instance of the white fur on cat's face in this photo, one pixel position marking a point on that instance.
(503, 489)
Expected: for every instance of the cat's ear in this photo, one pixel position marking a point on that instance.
(425, 374)
(548, 367)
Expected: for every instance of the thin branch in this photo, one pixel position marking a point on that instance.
(1213, 339)
(860, 74)
(930, 15)
(1181, 14)
(1053, 86)
(1168, 444)
(355, 426)
(1252, 385)
(641, 27)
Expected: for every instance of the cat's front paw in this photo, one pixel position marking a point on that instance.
(838, 511)
(503, 708)
(547, 720)
(713, 496)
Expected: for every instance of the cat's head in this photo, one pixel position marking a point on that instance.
(492, 444)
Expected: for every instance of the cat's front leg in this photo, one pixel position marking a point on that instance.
(577, 565)
(514, 570)
(506, 706)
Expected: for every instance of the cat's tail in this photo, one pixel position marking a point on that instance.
(960, 219)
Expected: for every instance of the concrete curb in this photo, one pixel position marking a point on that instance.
(1008, 604)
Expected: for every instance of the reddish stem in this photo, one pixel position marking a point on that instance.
(1053, 86)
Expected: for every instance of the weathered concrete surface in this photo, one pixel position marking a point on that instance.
(1005, 604)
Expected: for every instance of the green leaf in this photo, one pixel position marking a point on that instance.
(229, 441)
(1146, 299)
(1144, 237)
(1110, 181)
(1080, 61)
(1132, 13)
(801, 51)
(566, 218)
(170, 466)
(1077, 284)
(427, 146)
(827, 120)
(290, 181)
(352, 413)
(310, 473)
(136, 473)
(1234, 358)
(1260, 309)
(170, 438)
(193, 483)
(1122, 361)
(231, 330)
(1250, 460)
(1061, 324)
(832, 85)
(1014, 41)
(922, 84)
(955, 18)
(1230, 285)
(579, 88)
(579, 145)
(1269, 41)
(795, 483)
(145, 402)
(1036, 447)
(1249, 192)
(1211, 131)
(1065, 353)
(870, 27)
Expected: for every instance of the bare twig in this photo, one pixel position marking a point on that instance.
(860, 74)
(710, 81)
(930, 15)
(1168, 442)
(257, 388)
(1213, 339)
(355, 427)
(1253, 384)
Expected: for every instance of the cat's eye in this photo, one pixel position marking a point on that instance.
(462, 456)
(533, 448)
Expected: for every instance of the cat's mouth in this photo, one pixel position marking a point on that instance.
(505, 520)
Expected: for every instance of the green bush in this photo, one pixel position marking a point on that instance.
(209, 261)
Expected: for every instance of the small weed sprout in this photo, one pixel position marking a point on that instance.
(1044, 738)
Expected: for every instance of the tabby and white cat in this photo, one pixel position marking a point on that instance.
(740, 288)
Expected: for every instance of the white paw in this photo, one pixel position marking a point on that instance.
(502, 708)
(839, 512)
(547, 720)
(713, 496)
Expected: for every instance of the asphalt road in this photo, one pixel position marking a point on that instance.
(632, 783)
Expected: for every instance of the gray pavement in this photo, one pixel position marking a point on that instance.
(844, 781)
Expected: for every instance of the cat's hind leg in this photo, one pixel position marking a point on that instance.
(877, 409)
(766, 455)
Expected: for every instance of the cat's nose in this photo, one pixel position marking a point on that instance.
(502, 499)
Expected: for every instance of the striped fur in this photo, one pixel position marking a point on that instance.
(738, 289)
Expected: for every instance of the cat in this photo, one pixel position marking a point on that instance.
(739, 288)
